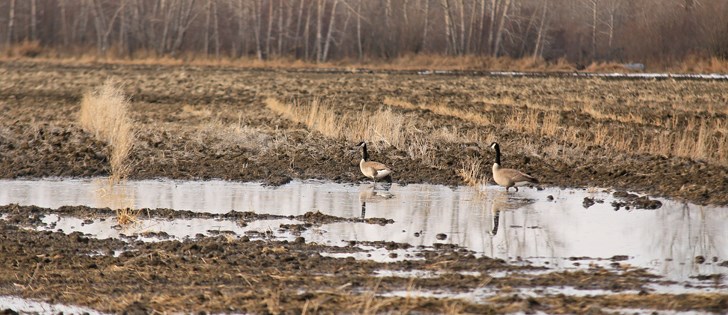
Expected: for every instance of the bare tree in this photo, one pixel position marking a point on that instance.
(594, 28)
(320, 30)
(449, 29)
(360, 51)
(216, 29)
(319, 27)
(330, 31)
(538, 47)
(461, 10)
(64, 23)
(501, 23)
(182, 24)
(104, 26)
(122, 27)
(297, 41)
(208, 20)
(269, 30)
(257, 28)
(33, 20)
(307, 32)
(426, 13)
(11, 23)
(481, 26)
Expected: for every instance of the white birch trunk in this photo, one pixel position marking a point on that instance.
(330, 31)
(501, 24)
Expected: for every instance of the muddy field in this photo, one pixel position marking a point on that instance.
(663, 138)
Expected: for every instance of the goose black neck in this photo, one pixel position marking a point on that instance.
(496, 217)
(497, 154)
(364, 154)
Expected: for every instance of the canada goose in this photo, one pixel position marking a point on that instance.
(508, 177)
(371, 169)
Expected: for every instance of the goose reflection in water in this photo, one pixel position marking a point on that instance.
(371, 194)
(499, 203)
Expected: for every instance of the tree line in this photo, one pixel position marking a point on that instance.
(322, 30)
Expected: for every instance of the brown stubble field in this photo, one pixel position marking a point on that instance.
(661, 137)
(664, 138)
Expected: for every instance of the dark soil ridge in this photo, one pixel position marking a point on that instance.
(215, 274)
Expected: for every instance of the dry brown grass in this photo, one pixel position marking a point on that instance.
(398, 103)
(127, 216)
(697, 64)
(472, 171)
(605, 66)
(315, 116)
(219, 137)
(680, 135)
(105, 113)
(381, 126)
(115, 55)
(442, 109)
(26, 48)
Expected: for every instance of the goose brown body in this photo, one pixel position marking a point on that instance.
(508, 177)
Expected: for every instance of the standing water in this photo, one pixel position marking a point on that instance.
(551, 226)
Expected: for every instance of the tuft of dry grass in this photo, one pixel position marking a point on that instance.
(105, 113)
(315, 116)
(472, 171)
(126, 216)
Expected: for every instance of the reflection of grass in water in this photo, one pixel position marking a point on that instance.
(117, 196)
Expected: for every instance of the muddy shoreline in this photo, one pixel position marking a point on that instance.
(242, 274)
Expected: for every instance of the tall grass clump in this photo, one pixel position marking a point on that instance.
(472, 171)
(105, 113)
(315, 116)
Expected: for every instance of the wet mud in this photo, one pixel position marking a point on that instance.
(245, 274)
(208, 122)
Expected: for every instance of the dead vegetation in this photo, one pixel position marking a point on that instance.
(680, 135)
(381, 128)
(105, 113)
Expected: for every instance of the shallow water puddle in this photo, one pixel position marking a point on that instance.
(28, 306)
(148, 230)
(550, 227)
